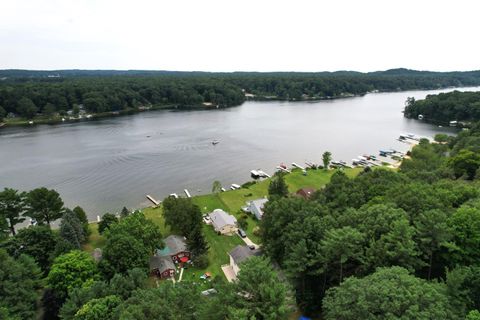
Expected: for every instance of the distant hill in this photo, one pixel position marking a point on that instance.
(400, 72)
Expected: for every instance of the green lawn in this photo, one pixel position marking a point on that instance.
(230, 201)
(156, 215)
(220, 245)
(210, 202)
(95, 240)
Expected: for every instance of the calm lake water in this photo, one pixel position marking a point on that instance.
(107, 164)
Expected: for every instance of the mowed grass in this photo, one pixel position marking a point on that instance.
(231, 202)
(95, 240)
(220, 246)
(156, 215)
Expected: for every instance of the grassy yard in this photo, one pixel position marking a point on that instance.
(95, 240)
(156, 215)
(220, 245)
(232, 202)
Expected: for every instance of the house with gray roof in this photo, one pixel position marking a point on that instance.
(240, 254)
(256, 207)
(175, 248)
(223, 222)
(162, 267)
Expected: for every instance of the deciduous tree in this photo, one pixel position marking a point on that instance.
(75, 269)
(107, 220)
(389, 293)
(19, 282)
(43, 205)
(278, 187)
(326, 158)
(12, 207)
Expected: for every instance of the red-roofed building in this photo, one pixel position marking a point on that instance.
(305, 193)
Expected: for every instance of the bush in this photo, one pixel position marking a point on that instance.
(257, 232)
(201, 261)
(242, 222)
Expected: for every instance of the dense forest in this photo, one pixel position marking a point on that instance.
(32, 93)
(387, 244)
(446, 107)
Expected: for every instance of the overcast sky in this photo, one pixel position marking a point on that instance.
(240, 35)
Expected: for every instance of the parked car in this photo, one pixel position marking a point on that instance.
(242, 233)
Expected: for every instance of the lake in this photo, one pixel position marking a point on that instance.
(110, 163)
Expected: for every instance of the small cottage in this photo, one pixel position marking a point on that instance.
(239, 254)
(175, 248)
(223, 222)
(162, 267)
(256, 207)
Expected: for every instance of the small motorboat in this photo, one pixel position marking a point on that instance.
(215, 142)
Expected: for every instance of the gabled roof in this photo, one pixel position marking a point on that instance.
(161, 263)
(242, 253)
(173, 245)
(258, 204)
(220, 219)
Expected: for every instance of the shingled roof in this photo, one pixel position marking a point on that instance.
(173, 244)
(161, 263)
(220, 219)
(242, 253)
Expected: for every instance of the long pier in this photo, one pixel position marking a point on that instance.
(155, 202)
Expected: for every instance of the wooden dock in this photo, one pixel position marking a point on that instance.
(155, 202)
(283, 169)
(296, 165)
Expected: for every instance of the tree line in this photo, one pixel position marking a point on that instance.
(30, 94)
(445, 107)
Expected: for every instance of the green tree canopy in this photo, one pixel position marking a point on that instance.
(82, 216)
(72, 230)
(465, 230)
(3, 113)
(38, 242)
(260, 290)
(181, 214)
(389, 293)
(278, 187)
(465, 163)
(12, 207)
(326, 158)
(168, 301)
(107, 220)
(123, 252)
(19, 282)
(101, 308)
(139, 227)
(27, 108)
(43, 205)
(122, 286)
(75, 269)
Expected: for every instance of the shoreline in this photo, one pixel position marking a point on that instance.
(111, 114)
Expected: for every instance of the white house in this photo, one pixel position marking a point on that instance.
(223, 222)
(256, 207)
